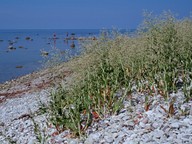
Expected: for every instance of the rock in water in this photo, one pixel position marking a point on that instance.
(27, 38)
(19, 66)
(72, 45)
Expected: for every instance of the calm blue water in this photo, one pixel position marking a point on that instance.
(27, 53)
(29, 56)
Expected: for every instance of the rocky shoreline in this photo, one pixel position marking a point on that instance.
(21, 101)
(23, 119)
(135, 125)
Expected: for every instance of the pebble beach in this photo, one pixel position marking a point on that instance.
(22, 119)
(95, 72)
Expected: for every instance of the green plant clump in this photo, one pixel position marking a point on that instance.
(158, 60)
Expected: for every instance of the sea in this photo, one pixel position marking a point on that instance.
(23, 51)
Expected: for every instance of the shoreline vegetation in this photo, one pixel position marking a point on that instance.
(157, 61)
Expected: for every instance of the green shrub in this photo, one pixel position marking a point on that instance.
(154, 62)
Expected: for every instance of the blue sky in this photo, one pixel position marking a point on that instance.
(78, 14)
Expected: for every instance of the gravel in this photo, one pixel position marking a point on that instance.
(21, 121)
(152, 126)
